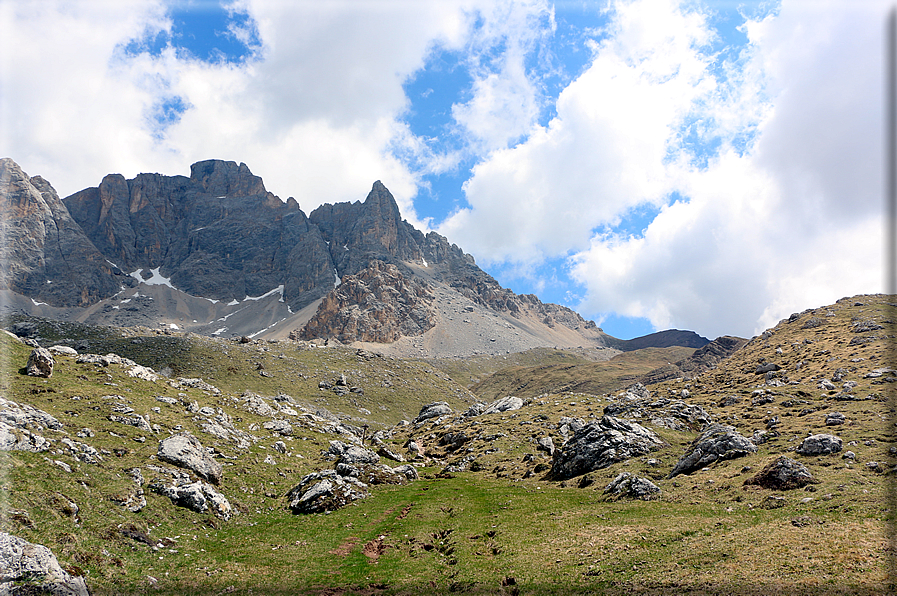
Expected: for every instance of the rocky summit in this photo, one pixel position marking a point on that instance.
(217, 254)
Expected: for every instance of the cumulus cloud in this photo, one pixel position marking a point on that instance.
(784, 215)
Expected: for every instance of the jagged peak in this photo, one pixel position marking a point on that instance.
(221, 177)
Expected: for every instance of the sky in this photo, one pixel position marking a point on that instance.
(652, 164)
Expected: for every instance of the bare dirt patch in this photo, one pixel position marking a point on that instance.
(346, 547)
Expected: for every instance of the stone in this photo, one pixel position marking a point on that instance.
(281, 427)
(324, 491)
(626, 485)
(718, 442)
(34, 566)
(834, 419)
(783, 473)
(433, 410)
(352, 454)
(505, 404)
(601, 444)
(196, 496)
(407, 470)
(63, 351)
(546, 444)
(185, 451)
(40, 363)
(820, 444)
(767, 367)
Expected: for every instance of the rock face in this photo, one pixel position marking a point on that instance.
(782, 474)
(601, 444)
(378, 304)
(718, 442)
(40, 363)
(22, 561)
(45, 253)
(821, 444)
(185, 451)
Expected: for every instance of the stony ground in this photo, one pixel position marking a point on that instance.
(492, 510)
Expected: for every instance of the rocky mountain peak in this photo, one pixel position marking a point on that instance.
(221, 178)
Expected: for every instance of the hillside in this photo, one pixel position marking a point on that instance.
(491, 510)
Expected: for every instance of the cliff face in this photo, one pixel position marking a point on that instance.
(219, 234)
(44, 253)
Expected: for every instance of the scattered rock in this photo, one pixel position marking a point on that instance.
(782, 474)
(821, 444)
(324, 491)
(632, 487)
(505, 404)
(433, 410)
(718, 442)
(767, 367)
(196, 496)
(185, 451)
(352, 455)
(40, 363)
(63, 351)
(601, 444)
(547, 445)
(36, 567)
(773, 502)
(834, 419)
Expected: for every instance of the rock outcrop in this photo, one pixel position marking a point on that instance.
(625, 485)
(35, 565)
(718, 442)
(783, 473)
(601, 444)
(820, 444)
(185, 451)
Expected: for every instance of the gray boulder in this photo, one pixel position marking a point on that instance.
(433, 410)
(408, 471)
(547, 445)
(505, 404)
(22, 561)
(718, 442)
(63, 350)
(834, 419)
(40, 363)
(601, 444)
(324, 491)
(821, 444)
(767, 367)
(352, 455)
(185, 451)
(782, 474)
(625, 485)
(196, 496)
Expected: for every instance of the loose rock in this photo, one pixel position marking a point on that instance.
(782, 474)
(40, 363)
(718, 442)
(186, 451)
(821, 444)
(22, 561)
(629, 486)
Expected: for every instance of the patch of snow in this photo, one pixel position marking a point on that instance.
(49, 282)
(126, 300)
(278, 289)
(219, 331)
(424, 261)
(337, 280)
(155, 279)
(346, 247)
(38, 303)
(198, 229)
(173, 326)
(223, 197)
(115, 307)
(233, 302)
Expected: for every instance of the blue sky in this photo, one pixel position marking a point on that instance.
(711, 166)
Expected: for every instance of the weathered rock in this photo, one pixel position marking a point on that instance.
(352, 455)
(718, 442)
(196, 496)
(40, 363)
(546, 444)
(821, 444)
(63, 351)
(674, 414)
(601, 444)
(281, 427)
(383, 450)
(324, 491)
(407, 470)
(767, 367)
(633, 487)
(36, 568)
(433, 410)
(782, 474)
(834, 419)
(185, 451)
(505, 404)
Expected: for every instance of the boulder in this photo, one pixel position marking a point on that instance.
(433, 410)
(407, 470)
(782, 474)
(601, 444)
(185, 451)
(834, 419)
(40, 363)
(547, 445)
(767, 367)
(352, 455)
(63, 350)
(625, 485)
(505, 404)
(821, 444)
(718, 442)
(36, 567)
(196, 496)
(324, 491)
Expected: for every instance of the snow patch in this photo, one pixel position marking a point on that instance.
(424, 261)
(278, 289)
(173, 326)
(219, 331)
(233, 302)
(337, 281)
(155, 279)
(38, 303)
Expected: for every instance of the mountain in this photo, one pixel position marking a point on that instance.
(217, 254)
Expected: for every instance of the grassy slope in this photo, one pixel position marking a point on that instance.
(475, 531)
(580, 377)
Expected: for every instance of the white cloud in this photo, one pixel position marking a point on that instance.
(793, 224)
(607, 150)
